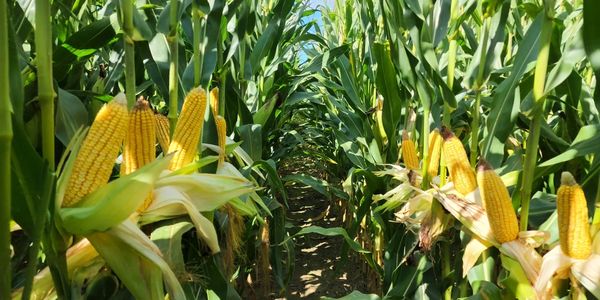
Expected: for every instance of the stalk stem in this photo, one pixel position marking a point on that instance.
(173, 66)
(475, 130)
(6, 135)
(222, 75)
(31, 268)
(446, 270)
(596, 217)
(425, 151)
(447, 116)
(478, 86)
(539, 82)
(43, 43)
(127, 10)
(196, 16)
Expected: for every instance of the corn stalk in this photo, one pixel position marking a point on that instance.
(6, 135)
(127, 11)
(539, 96)
(196, 21)
(478, 87)
(452, 49)
(43, 43)
(173, 65)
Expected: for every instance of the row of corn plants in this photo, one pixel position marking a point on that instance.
(467, 131)
(141, 141)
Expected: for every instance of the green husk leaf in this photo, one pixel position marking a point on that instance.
(137, 261)
(114, 202)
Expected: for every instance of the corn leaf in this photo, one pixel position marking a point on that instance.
(168, 239)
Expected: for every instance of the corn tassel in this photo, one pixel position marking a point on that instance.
(139, 148)
(96, 158)
(409, 152)
(222, 136)
(458, 163)
(497, 204)
(573, 227)
(188, 129)
(214, 101)
(163, 129)
(435, 148)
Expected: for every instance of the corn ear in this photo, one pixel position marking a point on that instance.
(214, 101)
(222, 135)
(96, 158)
(138, 148)
(435, 149)
(497, 204)
(573, 227)
(188, 129)
(379, 128)
(163, 130)
(409, 152)
(457, 161)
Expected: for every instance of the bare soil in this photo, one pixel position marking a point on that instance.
(319, 268)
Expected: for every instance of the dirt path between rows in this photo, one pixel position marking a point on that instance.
(319, 268)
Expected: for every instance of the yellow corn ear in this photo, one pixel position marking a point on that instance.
(409, 152)
(96, 158)
(163, 129)
(573, 227)
(222, 137)
(188, 129)
(139, 146)
(214, 101)
(458, 164)
(497, 204)
(435, 149)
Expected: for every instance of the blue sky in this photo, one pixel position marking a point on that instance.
(314, 3)
(315, 16)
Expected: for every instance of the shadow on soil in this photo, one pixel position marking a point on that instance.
(319, 268)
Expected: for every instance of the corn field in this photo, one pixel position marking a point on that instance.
(286, 149)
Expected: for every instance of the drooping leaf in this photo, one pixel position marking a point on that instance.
(71, 115)
(504, 109)
(587, 141)
(168, 239)
(332, 231)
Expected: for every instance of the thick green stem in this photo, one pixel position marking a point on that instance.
(446, 269)
(31, 268)
(596, 218)
(196, 18)
(487, 272)
(539, 82)
(242, 77)
(447, 116)
(529, 168)
(173, 66)
(451, 63)
(222, 93)
(56, 255)
(5, 142)
(425, 149)
(43, 43)
(475, 130)
(478, 87)
(6, 135)
(222, 75)
(127, 11)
